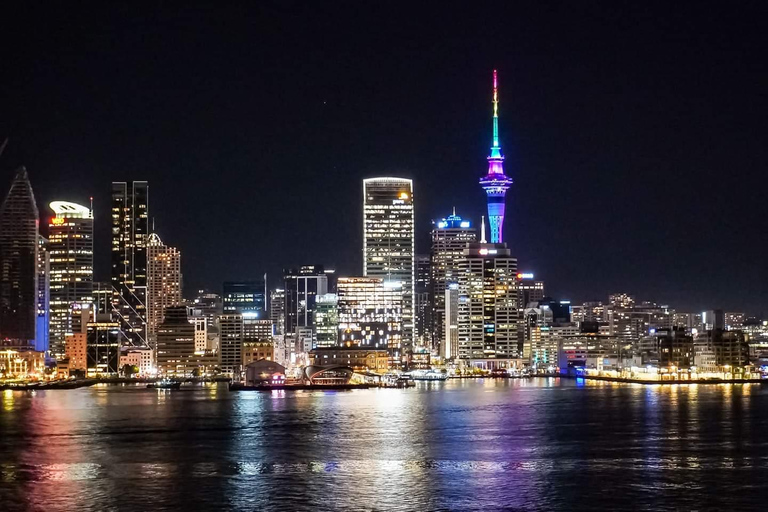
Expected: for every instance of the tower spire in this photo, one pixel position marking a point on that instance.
(495, 109)
(496, 183)
(482, 230)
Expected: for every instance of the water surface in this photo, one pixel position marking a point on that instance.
(544, 444)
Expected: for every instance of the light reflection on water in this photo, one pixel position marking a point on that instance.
(461, 445)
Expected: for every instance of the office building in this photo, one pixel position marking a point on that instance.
(734, 321)
(496, 183)
(245, 297)
(175, 342)
(488, 307)
(388, 242)
(667, 348)
(370, 315)
(327, 320)
(70, 248)
(103, 348)
(449, 238)
(257, 340)
(19, 238)
(529, 290)
(208, 305)
(130, 231)
(163, 282)
(302, 286)
(42, 340)
(230, 342)
(449, 341)
(423, 303)
(277, 310)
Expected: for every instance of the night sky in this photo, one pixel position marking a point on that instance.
(636, 135)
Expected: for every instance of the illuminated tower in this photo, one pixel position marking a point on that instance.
(496, 183)
(388, 244)
(163, 282)
(70, 245)
(130, 229)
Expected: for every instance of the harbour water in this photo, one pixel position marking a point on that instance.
(541, 444)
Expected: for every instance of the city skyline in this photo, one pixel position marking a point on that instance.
(591, 198)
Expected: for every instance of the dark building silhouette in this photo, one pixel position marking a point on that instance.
(130, 231)
(302, 286)
(19, 232)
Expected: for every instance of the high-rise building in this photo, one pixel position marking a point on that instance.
(42, 342)
(449, 342)
(388, 242)
(529, 290)
(163, 282)
(734, 321)
(257, 340)
(496, 183)
(130, 231)
(302, 286)
(208, 304)
(277, 309)
(327, 320)
(449, 238)
(175, 342)
(70, 246)
(423, 303)
(103, 348)
(19, 232)
(370, 315)
(230, 342)
(488, 309)
(245, 297)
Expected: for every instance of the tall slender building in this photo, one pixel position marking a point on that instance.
(496, 183)
(130, 230)
(70, 248)
(487, 321)
(449, 238)
(19, 232)
(302, 287)
(43, 295)
(388, 243)
(163, 282)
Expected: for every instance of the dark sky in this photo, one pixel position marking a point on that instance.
(636, 134)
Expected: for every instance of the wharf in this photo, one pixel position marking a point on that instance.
(625, 380)
(297, 387)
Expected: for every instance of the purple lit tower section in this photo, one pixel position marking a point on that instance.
(496, 183)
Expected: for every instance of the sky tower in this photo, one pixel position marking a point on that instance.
(496, 183)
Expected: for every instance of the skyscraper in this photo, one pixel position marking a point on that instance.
(19, 232)
(70, 245)
(488, 305)
(423, 302)
(130, 230)
(496, 183)
(388, 242)
(43, 295)
(277, 309)
(245, 297)
(449, 238)
(175, 341)
(302, 287)
(163, 281)
(327, 320)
